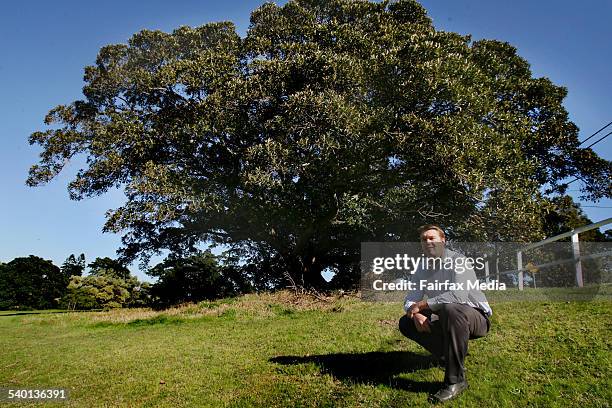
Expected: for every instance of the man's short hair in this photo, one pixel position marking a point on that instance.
(428, 227)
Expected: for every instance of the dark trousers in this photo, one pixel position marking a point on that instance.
(449, 335)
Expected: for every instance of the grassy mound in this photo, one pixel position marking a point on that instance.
(277, 350)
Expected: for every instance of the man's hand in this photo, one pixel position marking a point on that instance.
(416, 308)
(420, 320)
(421, 323)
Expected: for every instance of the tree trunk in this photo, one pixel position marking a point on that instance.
(307, 273)
(312, 278)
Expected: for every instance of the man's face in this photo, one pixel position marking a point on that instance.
(432, 243)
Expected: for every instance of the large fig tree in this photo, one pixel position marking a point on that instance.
(331, 123)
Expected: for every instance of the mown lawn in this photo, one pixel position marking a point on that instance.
(279, 351)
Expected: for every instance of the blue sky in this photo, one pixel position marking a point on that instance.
(46, 45)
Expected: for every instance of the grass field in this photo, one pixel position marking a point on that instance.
(279, 350)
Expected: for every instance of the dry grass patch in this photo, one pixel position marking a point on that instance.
(254, 305)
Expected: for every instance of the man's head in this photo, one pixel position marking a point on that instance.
(432, 240)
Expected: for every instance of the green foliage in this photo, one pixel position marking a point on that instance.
(331, 123)
(73, 266)
(31, 283)
(565, 215)
(195, 278)
(105, 292)
(109, 267)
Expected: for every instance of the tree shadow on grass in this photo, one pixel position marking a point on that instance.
(371, 368)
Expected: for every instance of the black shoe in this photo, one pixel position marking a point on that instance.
(449, 391)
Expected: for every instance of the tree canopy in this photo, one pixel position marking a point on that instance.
(565, 215)
(105, 291)
(74, 266)
(31, 283)
(109, 267)
(195, 278)
(331, 123)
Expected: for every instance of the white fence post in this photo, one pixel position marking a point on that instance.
(519, 264)
(497, 267)
(578, 263)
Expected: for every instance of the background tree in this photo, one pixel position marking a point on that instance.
(262, 271)
(565, 215)
(7, 295)
(331, 123)
(105, 291)
(73, 266)
(31, 283)
(108, 285)
(193, 279)
(109, 267)
(82, 294)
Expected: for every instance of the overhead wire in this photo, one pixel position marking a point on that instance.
(598, 140)
(594, 134)
(592, 144)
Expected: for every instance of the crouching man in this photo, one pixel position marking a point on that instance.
(447, 319)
